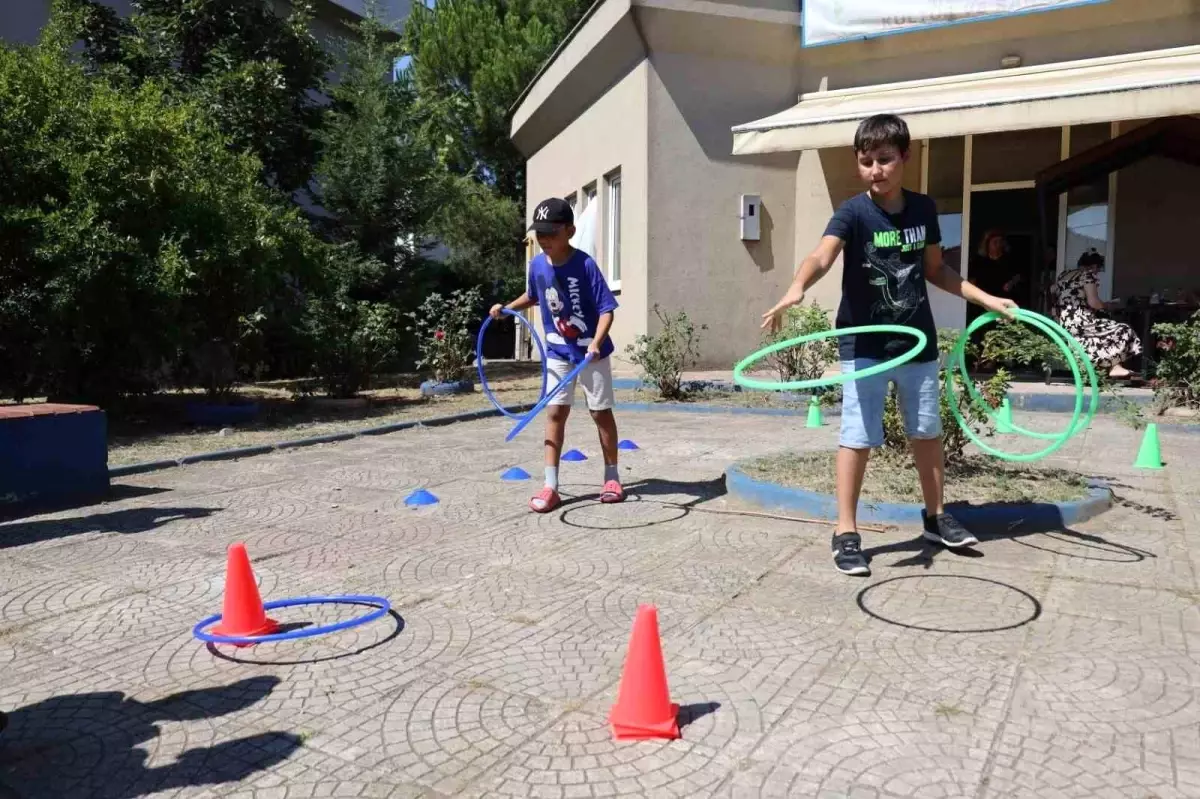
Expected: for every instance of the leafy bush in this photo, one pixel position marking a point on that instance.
(805, 361)
(1018, 345)
(954, 439)
(137, 248)
(1177, 381)
(445, 333)
(352, 338)
(664, 356)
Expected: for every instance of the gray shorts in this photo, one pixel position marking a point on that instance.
(596, 379)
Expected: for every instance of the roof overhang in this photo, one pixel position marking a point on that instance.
(1133, 86)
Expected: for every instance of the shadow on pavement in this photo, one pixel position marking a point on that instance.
(100, 745)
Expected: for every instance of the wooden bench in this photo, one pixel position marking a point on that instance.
(51, 453)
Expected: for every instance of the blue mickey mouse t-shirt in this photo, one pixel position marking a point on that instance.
(572, 298)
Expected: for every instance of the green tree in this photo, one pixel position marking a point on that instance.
(471, 59)
(135, 247)
(256, 72)
(377, 176)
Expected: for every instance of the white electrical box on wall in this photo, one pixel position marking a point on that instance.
(750, 216)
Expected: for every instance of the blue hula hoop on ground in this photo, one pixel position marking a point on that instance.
(383, 607)
(483, 383)
(566, 381)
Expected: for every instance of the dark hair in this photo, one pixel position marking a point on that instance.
(1091, 258)
(882, 130)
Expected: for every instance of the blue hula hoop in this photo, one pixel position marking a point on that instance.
(483, 383)
(383, 608)
(566, 381)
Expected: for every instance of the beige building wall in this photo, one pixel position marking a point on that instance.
(609, 137)
(698, 260)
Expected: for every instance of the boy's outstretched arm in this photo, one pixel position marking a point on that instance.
(945, 278)
(812, 269)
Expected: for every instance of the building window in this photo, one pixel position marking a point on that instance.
(613, 245)
(573, 201)
(590, 194)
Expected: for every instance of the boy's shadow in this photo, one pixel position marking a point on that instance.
(924, 552)
(90, 744)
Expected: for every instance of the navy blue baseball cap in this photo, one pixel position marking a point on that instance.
(552, 214)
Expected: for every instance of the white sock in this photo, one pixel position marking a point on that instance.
(612, 472)
(552, 477)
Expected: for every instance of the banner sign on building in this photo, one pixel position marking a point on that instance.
(831, 21)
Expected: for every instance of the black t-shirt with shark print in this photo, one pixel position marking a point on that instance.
(883, 275)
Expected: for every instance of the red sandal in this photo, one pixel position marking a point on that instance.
(612, 493)
(548, 498)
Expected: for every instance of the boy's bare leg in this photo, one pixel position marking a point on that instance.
(931, 470)
(556, 432)
(851, 469)
(606, 424)
(940, 526)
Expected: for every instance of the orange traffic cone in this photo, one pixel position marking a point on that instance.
(243, 615)
(643, 709)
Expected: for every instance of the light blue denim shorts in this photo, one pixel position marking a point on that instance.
(917, 391)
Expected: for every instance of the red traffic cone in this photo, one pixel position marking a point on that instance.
(643, 709)
(243, 615)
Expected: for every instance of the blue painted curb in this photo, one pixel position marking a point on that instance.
(1034, 517)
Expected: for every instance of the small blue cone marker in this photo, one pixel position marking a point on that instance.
(420, 498)
(515, 473)
(626, 444)
(574, 455)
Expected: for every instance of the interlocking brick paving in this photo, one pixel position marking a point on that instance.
(1064, 664)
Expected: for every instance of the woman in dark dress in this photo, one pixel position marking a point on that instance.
(1076, 296)
(992, 269)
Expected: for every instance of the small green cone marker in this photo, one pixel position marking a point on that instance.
(1149, 455)
(814, 413)
(1004, 417)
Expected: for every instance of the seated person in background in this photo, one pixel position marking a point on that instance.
(1076, 296)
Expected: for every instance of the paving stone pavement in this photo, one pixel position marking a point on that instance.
(1058, 665)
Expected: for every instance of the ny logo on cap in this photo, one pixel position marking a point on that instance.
(542, 212)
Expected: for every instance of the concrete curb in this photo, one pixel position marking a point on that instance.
(263, 449)
(483, 413)
(1035, 517)
(728, 410)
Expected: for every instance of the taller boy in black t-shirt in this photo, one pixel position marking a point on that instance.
(892, 246)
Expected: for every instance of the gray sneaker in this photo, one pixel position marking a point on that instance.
(848, 556)
(944, 529)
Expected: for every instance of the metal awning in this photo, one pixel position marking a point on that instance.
(1143, 85)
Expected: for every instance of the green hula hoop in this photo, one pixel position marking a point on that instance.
(825, 382)
(959, 353)
(1079, 354)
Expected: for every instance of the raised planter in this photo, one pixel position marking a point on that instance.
(51, 453)
(1031, 517)
(432, 388)
(214, 415)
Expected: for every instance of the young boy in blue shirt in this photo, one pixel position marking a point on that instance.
(892, 246)
(577, 312)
